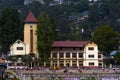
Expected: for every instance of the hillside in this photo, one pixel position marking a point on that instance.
(86, 16)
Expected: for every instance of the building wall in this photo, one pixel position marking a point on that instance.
(27, 28)
(88, 56)
(19, 49)
(91, 55)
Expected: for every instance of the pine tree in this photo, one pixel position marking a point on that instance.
(44, 36)
(10, 28)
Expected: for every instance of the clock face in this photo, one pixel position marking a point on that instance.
(31, 26)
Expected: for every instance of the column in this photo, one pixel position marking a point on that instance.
(64, 58)
(70, 59)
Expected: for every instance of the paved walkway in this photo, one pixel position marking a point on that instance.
(71, 71)
(46, 74)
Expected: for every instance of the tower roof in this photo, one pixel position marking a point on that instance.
(30, 18)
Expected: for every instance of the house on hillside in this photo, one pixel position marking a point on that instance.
(76, 54)
(55, 2)
(27, 2)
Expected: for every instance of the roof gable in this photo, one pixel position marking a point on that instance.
(17, 42)
(69, 43)
(30, 18)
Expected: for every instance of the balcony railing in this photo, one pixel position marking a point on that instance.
(68, 51)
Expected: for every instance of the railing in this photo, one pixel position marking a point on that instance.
(17, 67)
(66, 76)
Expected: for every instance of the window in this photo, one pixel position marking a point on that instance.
(19, 64)
(61, 55)
(61, 63)
(74, 63)
(73, 48)
(18, 42)
(80, 55)
(81, 48)
(100, 64)
(80, 63)
(54, 55)
(90, 48)
(74, 55)
(60, 48)
(91, 63)
(67, 55)
(10, 64)
(30, 26)
(91, 56)
(99, 56)
(19, 48)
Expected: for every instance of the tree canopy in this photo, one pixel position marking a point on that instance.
(44, 36)
(117, 56)
(10, 28)
(106, 38)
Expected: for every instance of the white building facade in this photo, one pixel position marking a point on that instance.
(19, 48)
(76, 54)
(90, 55)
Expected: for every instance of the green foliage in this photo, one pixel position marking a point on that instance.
(105, 11)
(117, 56)
(75, 32)
(106, 38)
(99, 13)
(9, 3)
(12, 58)
(90, 78)
(36, 8)
(10, 28)
(94, 14)
(45, 36)
(26, 58)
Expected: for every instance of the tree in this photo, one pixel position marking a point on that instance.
(75, 31)
(26, 59)
(117, 57)
(10, 28)
(107, 39)
(44, 36)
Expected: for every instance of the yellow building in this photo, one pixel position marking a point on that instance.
(30, 37)
(76, 54)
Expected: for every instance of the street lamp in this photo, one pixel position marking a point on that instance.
(54, 65)
(31, 64)
(78, 65)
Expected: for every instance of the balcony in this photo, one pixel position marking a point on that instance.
(68, 51)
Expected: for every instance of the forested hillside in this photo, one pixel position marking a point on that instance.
(74, 19)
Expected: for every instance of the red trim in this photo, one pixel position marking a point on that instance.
(69, 43)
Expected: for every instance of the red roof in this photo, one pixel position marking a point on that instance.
(30, 18)
(69, 43)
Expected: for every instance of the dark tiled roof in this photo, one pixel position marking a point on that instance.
(69, 43)
(30, 18)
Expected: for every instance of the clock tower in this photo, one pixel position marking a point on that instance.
(30, 37)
